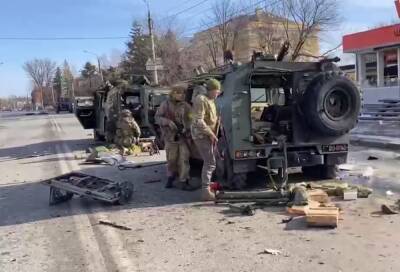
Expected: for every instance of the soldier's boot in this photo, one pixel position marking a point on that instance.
(170, 182)
(207, 194)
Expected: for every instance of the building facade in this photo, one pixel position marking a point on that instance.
(377, 66)
(261, 32)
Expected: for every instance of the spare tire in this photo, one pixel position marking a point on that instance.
(331, 104)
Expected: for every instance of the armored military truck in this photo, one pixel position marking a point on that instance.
(276, 115)
(102, 113)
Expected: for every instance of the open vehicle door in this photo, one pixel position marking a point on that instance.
(85, 112)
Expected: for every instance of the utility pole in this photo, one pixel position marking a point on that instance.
(153, 51)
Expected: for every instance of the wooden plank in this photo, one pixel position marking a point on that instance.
(297, 210)
(301, 210)
(323, 217)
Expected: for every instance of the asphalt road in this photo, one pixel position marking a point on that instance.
(170, 230)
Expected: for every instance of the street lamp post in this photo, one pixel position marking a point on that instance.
(98, 63)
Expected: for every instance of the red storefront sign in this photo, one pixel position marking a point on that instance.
(379, 37)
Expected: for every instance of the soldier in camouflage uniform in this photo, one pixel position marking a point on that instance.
(173, 116)
(204, 133)
(128, 131)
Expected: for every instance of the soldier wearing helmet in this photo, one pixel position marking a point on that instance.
(128, 131)
(174, 118)
(204, 133)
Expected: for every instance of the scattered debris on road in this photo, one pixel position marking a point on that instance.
(322, 217)
(248, 210)
(88, 186)
(286, 220)
(386, 209)
(125, 166)
(389, 193)
(350, 194)
(152, 181)
(113, 225)
(269, 251)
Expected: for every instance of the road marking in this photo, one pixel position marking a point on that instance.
(121, 258)
(92, 253)
(56, 125)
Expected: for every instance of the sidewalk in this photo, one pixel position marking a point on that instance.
(385, 135)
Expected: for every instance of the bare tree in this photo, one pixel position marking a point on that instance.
(170, 53)
(222, 28)
(41, 71)
(303, 19)
(269, 37)
(213, 47)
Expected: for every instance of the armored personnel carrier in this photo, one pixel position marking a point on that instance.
(276, 115)
(101, 111)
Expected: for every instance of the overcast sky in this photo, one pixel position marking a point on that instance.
(113, 18)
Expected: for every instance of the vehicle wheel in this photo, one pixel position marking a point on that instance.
(320, 171)
(312, 171)
(328, 171)
(220, 170)
(58, 196)
(98, 137)
(224, 169)
(126, 192)
(331, 104)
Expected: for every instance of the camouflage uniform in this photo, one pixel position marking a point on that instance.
(174, 119)
(204, 129)
(128, 131)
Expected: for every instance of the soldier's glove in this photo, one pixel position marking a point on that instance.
(172, 126)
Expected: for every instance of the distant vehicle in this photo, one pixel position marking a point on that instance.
(101, 112)
(64, 104)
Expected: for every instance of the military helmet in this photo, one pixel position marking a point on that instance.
(126, 113)
(177, 90)
(213, 84)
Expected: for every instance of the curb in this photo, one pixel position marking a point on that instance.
(355, 140)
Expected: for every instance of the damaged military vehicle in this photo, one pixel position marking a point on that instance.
(277, 115)
(102, 113)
